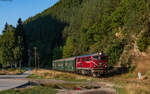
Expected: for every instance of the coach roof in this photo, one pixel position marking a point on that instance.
(65, 59)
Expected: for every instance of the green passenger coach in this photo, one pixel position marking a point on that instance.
(68, 64)
(58, 65)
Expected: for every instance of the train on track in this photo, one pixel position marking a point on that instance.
(92, 64)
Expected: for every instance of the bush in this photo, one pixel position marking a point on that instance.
(143, 41)
(11, 69)
(114, 52)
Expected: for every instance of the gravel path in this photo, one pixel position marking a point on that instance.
(6, 84)
(13, 81)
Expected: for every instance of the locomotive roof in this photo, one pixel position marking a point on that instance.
(94, 54)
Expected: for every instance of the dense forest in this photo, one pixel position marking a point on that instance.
(13, 46)
(77, 27)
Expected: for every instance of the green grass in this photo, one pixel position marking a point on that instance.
(62, 77)
(128, 75)
(121, 91)
(71, 79)
(34, 90)
(34, 76)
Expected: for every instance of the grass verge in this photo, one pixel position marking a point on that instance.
(11, 71)
(57, 75)
(34, 90)
(121, 91)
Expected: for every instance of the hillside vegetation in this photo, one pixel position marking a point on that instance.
(76, 27)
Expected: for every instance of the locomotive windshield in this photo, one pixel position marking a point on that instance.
(96, 57)
(99, 57)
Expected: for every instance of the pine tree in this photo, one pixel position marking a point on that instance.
(21, 47)
(5, 28)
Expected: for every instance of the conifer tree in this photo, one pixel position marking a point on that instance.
(21, 47)
(5, 28)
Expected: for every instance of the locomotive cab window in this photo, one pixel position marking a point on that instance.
(96, 57)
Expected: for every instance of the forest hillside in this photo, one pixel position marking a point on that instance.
(120, 28)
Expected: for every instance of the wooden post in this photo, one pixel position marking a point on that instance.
(20, 64)
(38, 57)
(139, 75)
(29, 59)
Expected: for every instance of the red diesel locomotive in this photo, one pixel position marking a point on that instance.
(92, 64)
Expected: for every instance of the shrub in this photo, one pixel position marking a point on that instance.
(143, 41)
(11, 69)
(114, 52)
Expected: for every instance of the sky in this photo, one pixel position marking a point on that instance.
(12, 10)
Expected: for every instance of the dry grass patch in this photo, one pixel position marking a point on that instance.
(51, 74)
(2, 72)
(142, 64)
(134, 88)
(11, 72)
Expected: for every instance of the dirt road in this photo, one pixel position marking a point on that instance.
(13, 81)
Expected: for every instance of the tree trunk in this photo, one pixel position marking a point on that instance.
(2, 66)
(11, 66)
(20, 64)
(15, 65)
